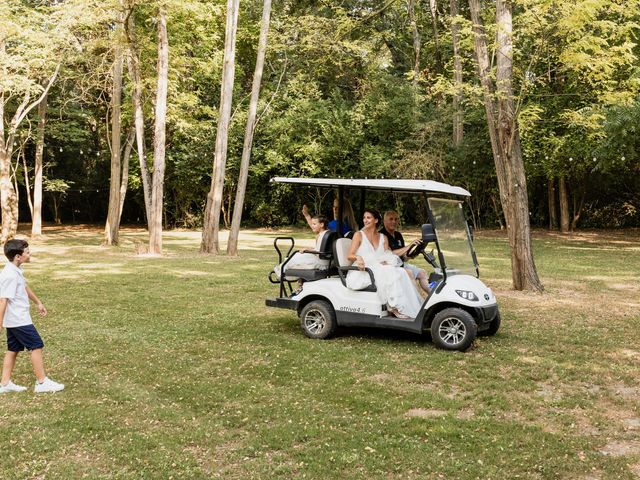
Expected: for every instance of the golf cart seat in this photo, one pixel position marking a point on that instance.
(325, 253)
(341, 252)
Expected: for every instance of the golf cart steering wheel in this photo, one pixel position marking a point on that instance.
(416, 249)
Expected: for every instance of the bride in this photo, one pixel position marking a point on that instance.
(370, 249)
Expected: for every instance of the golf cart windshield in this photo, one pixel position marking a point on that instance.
(453, 236)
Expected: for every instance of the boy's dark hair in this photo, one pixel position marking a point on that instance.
(14, 247)
(321, 219)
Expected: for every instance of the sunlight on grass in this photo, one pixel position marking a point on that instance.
(174, 367)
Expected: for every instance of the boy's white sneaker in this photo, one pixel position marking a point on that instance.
(48, 386)
(11, 387)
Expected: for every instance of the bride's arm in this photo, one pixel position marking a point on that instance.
(355, 244)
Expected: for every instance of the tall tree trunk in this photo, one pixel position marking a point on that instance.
(124, 182)
(433, 8)
(133, 66)
(416, 40)
(505, 143)
(36, 214)
(564, 205)
(577, 208)
(27, 185)
(458, 114)
(211, 226)
(232, 244)
(112, 226)
(159, 137)
(553, 208)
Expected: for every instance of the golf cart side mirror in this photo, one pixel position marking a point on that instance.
(428, 235)
(470, 230)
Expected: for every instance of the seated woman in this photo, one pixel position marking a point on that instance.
(348, 223)
(370, 249)
(305, 259)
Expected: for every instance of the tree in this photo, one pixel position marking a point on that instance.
(133, 66)
(159, 137)
(36, 213)
(211, 226)
(27, 47)
(112, 226)
(232, 244)
(505, 141)
(458, 114)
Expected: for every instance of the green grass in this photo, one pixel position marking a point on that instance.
(174, 368)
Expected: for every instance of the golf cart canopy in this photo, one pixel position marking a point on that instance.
(398, 185)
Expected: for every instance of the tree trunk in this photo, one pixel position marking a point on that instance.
(553, 215)
(112, 226)
(124, 182)
(577, 208)
(416, 40)
(211, 226)
(27, 185)
(458, 115)
(564, 205)
(505, 143)
(159, 137)
(36, 214)
(433, 8)
(133, 65)
(232, 244)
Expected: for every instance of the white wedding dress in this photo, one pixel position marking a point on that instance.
(394, 287)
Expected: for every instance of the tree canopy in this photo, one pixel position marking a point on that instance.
(356, 88)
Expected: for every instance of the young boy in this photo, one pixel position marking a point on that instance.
(15, 317)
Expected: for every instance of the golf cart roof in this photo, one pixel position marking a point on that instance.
(403, 185)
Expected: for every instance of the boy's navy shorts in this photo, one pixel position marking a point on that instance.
(19, 338)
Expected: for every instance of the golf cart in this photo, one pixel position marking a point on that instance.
(459, 306)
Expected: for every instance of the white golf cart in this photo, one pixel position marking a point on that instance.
(459, 306)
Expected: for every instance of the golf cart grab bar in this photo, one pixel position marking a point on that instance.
(275, 245)
(369, 288)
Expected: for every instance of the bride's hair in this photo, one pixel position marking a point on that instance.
(375, 213)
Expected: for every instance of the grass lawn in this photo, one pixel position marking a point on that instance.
(174, 368)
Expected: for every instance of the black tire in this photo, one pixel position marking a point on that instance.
(318, 319)
(453, 329)
(494, 326)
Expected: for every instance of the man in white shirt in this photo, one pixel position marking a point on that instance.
(15, 317)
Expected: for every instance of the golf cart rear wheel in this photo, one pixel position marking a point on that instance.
(318, 319)
(453, 329)
(494, 326)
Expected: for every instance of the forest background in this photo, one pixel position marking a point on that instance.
(350, 89)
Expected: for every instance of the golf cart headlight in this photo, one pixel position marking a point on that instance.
(467, 295)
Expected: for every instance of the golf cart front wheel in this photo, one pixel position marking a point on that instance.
(494, 326)
(453, 329)
(318, 319)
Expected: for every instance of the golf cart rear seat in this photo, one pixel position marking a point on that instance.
(325, 253)
(341, 252)
(306, 274)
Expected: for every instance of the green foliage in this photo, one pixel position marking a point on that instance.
(339, 98)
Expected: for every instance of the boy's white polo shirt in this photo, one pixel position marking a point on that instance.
(13, 288)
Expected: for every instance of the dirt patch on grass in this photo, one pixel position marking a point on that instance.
(465, 414)
(426, 413)
(626, 392)
(619, 448)
(548, 392)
